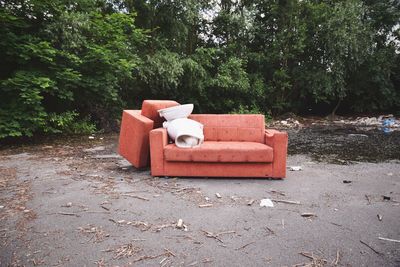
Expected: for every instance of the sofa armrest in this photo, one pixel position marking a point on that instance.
(279, 142)
(134, 138)
(158, 140)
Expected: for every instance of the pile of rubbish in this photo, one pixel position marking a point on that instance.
(288, 123)
(386, 123)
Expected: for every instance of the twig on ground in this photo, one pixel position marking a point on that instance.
(308, 214)
(337, 258)
(368, 199)
(161, 262)
(374, 250)
(287, 201)
(278, 192)
(316, 261)
(69, 214)
(251, 201)
(389, 239)
(216, 236)
(126, 251)
(104, 207)
(146, 257)
(269, 229)
(170, 253)
(205, 205)
(134, 196)
(242, 247)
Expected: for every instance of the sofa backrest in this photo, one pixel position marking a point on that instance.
(150, 110)
(232, 127)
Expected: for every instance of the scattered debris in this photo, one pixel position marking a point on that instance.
(336, 262)
(266, 202)
(389, 174)
(242, 247)
(104, 207)
(134, 196)
(69, 214)
(146, 257)
(193, 263)
(218, 195)
(206, 260)
(347, 181)
(357, 135)
(144, 226)
(179, 225)
(287, 201)
(389, 239)
(316, 260)
(379, 217)
(368, 199)
(162, 261)
(374, 250)
(169, 252)
(269, 229)
(205, 205)
(91, 137)
(308, 214)
(278, 192)
(67, 205)
(386, 198)
(100, 263)
(126, 251)
(96, 233)
(251, 201)
(94, 149)
(216, 236)
(110, 156)
(295, 168)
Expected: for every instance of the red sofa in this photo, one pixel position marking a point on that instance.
(234, 146)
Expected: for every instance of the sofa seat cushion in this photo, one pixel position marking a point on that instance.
(221, 151)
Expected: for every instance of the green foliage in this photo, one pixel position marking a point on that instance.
(68, 122)
(64, 61)
(68, 66)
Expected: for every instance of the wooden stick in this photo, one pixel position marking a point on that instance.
(389, 239)
(138, 197)
(170, 252)
(374, 250)
(337, 258)
(69, 214)
(287, 201)
(205, 205)
(242, 247)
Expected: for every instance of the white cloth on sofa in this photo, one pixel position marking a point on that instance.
(187, 133)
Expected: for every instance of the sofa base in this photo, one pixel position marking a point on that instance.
(210, 169)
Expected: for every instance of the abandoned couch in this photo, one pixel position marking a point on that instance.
(234, 146)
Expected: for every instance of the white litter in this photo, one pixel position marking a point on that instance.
(179, 225)
(295, 168)
(266, 202)
(186, 133)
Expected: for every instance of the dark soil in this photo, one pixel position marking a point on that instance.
(344, 144)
